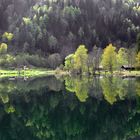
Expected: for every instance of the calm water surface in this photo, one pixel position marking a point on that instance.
(70, 108)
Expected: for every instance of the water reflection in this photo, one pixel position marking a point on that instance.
(111, 89)
(69, 108)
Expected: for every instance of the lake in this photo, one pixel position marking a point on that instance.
(70, 108)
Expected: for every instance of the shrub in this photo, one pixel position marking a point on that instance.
(8, 60)
(54, 60)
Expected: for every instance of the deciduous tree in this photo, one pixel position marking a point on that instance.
(138, 60)
(3, 48)
(138, 42)
(122, 57)
(80, 59)
(8, 36)
(69, 62)
(109, 58)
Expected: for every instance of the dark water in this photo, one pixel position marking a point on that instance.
(70, 109)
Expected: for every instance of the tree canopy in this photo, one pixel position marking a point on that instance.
(109, 58)
(53, 26)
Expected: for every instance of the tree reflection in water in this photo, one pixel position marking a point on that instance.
(77, 108)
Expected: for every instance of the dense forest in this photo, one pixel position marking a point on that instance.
(44, 32)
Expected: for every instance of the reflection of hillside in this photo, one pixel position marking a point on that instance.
(54, 84)
(61, 117)
(38, 112)
(20, 87)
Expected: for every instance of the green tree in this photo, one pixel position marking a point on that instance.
(109, 58)
(27, 20)
(94, 59)
(8, 36)
(131, 52)
(138, 42)
(3, 48)
(69, 62)
(122, 57)
(138, 60)
(54, 60)
(80, 59)
(52, 41)
(71, 12)
(81, 32)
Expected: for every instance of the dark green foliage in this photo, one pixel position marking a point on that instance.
(60, 26)
(7, 60)
(54, 60)
(20, 60)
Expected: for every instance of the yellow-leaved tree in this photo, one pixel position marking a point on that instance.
(122, 57)
(138, 60)
(69, 62)
(109, 58)
(8, 36)
(3, 48)
(80, 59)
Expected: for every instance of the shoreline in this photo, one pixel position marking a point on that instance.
(45, 72)
(123, 73)
(26, 73)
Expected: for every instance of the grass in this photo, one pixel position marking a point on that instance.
(26, 73)
(122, 73)
(45, 72)
(130, 73)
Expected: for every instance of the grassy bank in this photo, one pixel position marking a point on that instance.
(46, 72)
(26, 73)
(121, 73)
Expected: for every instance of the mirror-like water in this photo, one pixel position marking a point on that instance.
(70, 108)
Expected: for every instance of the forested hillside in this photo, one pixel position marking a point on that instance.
(55, 28)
